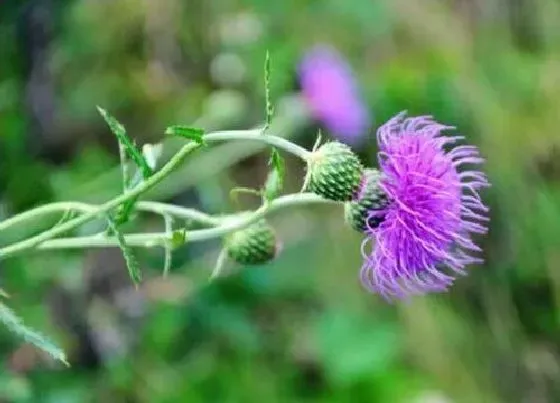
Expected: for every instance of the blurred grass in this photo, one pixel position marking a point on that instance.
(300, 329)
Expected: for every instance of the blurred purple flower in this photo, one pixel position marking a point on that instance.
(423, 241)
(331, 92)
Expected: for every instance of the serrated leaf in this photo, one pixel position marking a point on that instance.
(269, 111)
(275, 179)
(15, 324)
(131, 150)
(130, 259)
(191, 133)
(125, 172)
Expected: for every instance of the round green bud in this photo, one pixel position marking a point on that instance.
(334, 172)
(255, 244)
(360, 212)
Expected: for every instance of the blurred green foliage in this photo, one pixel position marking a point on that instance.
(300, 329)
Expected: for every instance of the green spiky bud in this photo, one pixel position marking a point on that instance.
(334, 172)
(253, 245)
(360, 212)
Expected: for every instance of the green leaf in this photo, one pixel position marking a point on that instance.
(16, 325)
(275, 179)
(191, 133)
(269, 112)
(126, 208)
(125, 173)
(178, 238)
(131, 262)
(131, 150)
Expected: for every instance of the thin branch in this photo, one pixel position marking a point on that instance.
(174, 162)
(160, 239)
(69, 225)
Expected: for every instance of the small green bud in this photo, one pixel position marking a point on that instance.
(334, 172)
(369, 199)
(253, 245)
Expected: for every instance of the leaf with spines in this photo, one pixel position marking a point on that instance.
(15, 324)
(131, 150)
(191, 133)
(125, 172)
(130, 259)
(269, 112)
(127, 149)
(275, 179)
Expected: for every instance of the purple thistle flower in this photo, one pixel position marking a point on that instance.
(332, 94)
(423, 240)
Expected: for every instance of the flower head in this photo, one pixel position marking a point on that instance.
(424, 240)
(334, 172)
(332, 94)
(253, 245)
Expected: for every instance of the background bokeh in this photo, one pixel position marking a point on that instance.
(300, 329)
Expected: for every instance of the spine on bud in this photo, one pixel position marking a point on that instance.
(334, 172)
(256, 244)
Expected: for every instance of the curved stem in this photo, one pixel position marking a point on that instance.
(174, 211)
(148, 240)
(257, 135)
(147, 206)
(104, 208)
(47, 209)
(92, 213)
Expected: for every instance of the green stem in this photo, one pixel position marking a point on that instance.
(147, 206)
(257, 135)
(183, 213)
(104, 208)
(90, 214)
(149, 240)
(47, 209)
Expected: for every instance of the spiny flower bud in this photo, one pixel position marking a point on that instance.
(365, 211)
(334, 172)
(253, 245)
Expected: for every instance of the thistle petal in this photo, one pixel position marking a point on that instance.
(424, 241)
